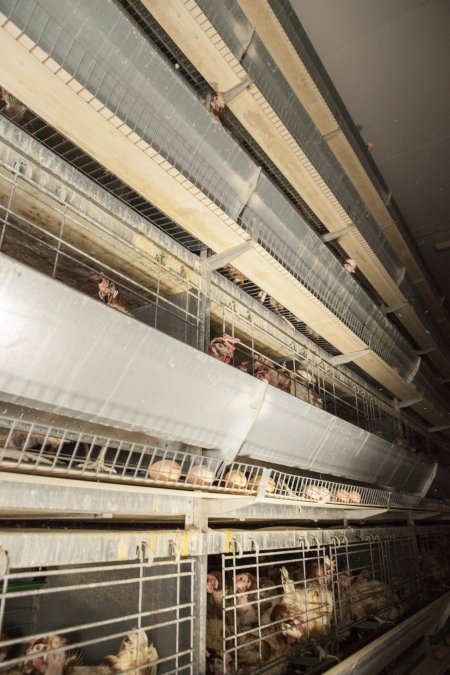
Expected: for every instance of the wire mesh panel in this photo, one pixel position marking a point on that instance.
(268, 608)
(36, 448)
(50, 228)
(434, 544)
(99, 618)
(88, 64)
(60, 240)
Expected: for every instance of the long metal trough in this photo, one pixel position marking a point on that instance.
(67, 353)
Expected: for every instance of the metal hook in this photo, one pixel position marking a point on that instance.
(4, 562)
(255, 546)
(302, 542)
(144, 553)
(175, 550)
(315, 540)
(236, 545)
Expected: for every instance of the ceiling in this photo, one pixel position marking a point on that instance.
(390, 62)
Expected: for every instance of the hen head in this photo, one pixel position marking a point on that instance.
(42, 661)
(222, 348)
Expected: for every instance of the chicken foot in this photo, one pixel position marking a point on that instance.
(98, 464)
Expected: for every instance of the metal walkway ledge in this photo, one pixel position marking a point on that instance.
(25, 496)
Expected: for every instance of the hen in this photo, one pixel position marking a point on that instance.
(48, 656)
(13, 108)
(312, 604)
(107, 292)
(374, 599)
(222, 348)
(350, 265)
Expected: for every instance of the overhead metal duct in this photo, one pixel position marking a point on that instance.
(67, 353)
(159, 139)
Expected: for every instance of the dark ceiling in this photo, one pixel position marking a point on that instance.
(390, 62)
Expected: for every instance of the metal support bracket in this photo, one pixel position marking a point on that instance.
(410, 377)
(220, 259)
(348, 358)
(407, 403)
(401, 275)
(331, 236)
(394, 308)
(434, 430)
(422, 352)
(196, 516)
(228, 95)
(234, 91)
(261, 493)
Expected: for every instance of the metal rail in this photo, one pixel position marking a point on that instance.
(49, 450)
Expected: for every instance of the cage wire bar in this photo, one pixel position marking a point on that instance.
(339, 587)
(55, 254)
(75, 615)
(48, 34)
(170, 298)
(341, 593)
(40, 449)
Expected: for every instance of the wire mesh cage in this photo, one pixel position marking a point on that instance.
(89, 67)
(51, 228)
(435, 568)
(101, 617)
(50, 450)
(62, 241)
(268, 608)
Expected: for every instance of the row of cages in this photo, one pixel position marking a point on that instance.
(34, 448)
(247, 608)
(250, 330)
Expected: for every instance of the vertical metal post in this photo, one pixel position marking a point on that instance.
(8, 207)
(204, 327)
(198, 519)
(4, 566)
(61, 235)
